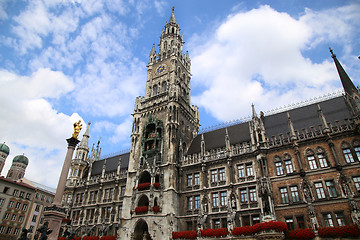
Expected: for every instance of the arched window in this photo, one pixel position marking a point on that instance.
(346, 149)
(155, 90)
(279, 168)
(289, 167)
(163, 86)
(145, 177)
(143, 201)
(321, 157)
(310, 155)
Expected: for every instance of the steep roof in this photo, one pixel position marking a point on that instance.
(307, 116)
(111, 164)
(334, 109)
(216, 139)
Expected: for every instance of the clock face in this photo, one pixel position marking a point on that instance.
(161, 69)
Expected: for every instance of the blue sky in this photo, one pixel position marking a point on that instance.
(65, 60)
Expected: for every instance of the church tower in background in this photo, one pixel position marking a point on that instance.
(164, 125)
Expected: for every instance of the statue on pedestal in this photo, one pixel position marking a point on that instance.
(77, 129)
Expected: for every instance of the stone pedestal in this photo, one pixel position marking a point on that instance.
(55, 213)
(54, 216)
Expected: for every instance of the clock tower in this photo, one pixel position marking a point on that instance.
(164, 124)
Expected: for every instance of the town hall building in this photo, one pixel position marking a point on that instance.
(300, 166)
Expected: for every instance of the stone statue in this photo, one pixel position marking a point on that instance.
(23, 235)
(71, 236)
(77, 129)
(230, 216)
(44, 231)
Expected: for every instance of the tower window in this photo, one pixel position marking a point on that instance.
(348, 156)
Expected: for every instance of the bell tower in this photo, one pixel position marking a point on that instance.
(164, 124)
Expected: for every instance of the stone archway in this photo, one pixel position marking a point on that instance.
(141, 230)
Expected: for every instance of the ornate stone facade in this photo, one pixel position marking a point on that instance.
(305, 159)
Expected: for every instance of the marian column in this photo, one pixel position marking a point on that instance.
(54, 214)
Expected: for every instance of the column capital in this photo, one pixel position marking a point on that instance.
(72, 142)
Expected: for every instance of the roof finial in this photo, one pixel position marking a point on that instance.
(332, 53)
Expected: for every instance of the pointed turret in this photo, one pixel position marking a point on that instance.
(85, 140)
(291, 127)
(254, 114)
(172, 17)
(352, 94)
(348, 85)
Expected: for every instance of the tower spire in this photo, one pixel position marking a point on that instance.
(172, 17)
(348, 85)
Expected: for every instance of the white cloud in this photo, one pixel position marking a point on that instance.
(3, 5)
(256, 57)
(30, 125)
(119, 132)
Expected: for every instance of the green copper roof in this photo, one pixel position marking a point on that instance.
(21, 159)
(4, 148)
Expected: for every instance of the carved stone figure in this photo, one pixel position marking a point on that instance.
(44, 231)
(313, 220)
(71, 236)
(23, 235)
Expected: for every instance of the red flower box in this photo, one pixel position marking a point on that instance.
(184, 235)
(143, 186)
(108, 238)
(306, 233)
(217, 232)
(245, 230)
(143, 209)
(156, 185)
(337, 232)
(77, 238)
(156, 209)
(91, 238)
(62, 238)
(265, 226)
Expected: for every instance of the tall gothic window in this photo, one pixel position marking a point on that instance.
(357, 183)
(320, 190)
(328, 220)
(331, 188)
(348, 156)
(215, 199)
(284, 195)
(279, 168)
(312, 162)
(294, 194)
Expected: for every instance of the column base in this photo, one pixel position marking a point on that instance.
(54, 216)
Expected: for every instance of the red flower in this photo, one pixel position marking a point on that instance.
(185, 234)
(108, 238)
(156, 209)
(300, 233)
(142, 209)
(336, 232)
(246, 230)
(265, 226)
(142, 186)
(91, 238)
(217, 232)
(156, 185)
(77, 238)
